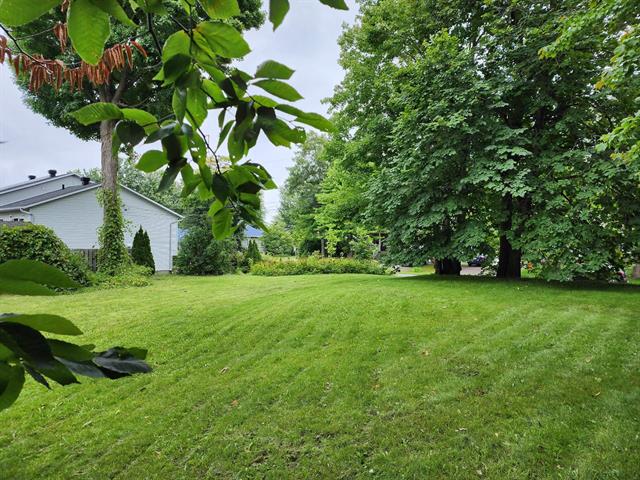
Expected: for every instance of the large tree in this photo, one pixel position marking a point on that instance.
(476, 137)
(298, 200)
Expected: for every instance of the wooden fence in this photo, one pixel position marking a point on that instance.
(91, 256)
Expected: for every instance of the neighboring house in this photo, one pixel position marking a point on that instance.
(68, 205)
(255, 234)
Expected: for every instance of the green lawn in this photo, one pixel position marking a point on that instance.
(342, 377)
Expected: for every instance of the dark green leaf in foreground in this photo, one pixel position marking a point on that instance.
(130, 133)
(339, 4)
(89, 29)
(36, 272)
(222, 38)
(45, 323)
(222, 9)
(152, 161)
(11, 382)
(122, 360)
(273, 69)
(277, 11)
(279, 89)
(19, 12)
(97, 112)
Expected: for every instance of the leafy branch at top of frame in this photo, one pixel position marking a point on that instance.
(191, 65)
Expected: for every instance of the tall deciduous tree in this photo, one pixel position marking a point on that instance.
(476, 137)
(298, 197)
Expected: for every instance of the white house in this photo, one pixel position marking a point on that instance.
(68, 205)
(255, 234)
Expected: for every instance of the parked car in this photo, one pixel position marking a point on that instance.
(477, 261)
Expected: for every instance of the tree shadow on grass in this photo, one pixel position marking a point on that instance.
(534, 282)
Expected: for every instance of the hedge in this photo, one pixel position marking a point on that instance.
(37, 242)
(316, 265)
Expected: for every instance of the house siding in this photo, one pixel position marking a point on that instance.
(76, 220)
(38, 189)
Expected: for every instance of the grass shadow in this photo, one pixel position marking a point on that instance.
(552, 285)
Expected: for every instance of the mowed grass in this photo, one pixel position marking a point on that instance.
(342, 377)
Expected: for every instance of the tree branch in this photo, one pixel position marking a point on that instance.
(122, 86)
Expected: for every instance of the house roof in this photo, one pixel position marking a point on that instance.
(47, 197)
(68, 191)
(252, 232)
(35, 181)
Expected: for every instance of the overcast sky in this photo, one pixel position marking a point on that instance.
(306, 42)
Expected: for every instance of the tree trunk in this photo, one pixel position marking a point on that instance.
(636, 271)
(509, 259)
(108, 161)
(448, 266)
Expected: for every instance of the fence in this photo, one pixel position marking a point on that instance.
(91, 256)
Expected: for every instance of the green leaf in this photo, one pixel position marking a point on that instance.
(175, 67)
(121, 360)
(89, 30)
(279, 89)
(222, 9)
(225, 131)
(220, 188)
(145, 119)
(196, 107)
(113, 8)
(280, 134)
(151, 161)
(30, 345)
(86, 368)
(273, 69)
(177, 44)
(339, 4)
(37, 272)
(97, 112)
(179, 103)
(69, 351)
(45, 323)
(152, 6)
(11, 382)
(22, 287)
(189, 179)
(222, 38)
(235, 146)
(162, 132)
(277, 11)
(170, 174)
(312, 119)
(221, 224)
(18, 12)
(174, 146)
(263, 101)
(129, 132)
(213, 91)
(5, 353)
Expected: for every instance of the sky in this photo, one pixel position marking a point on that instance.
(306, 42)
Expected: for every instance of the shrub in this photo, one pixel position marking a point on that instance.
(253, 253)
(278, 241)
(37, 242)
(141, 250)
(128, 276)
(201, 254)
(316, 265)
